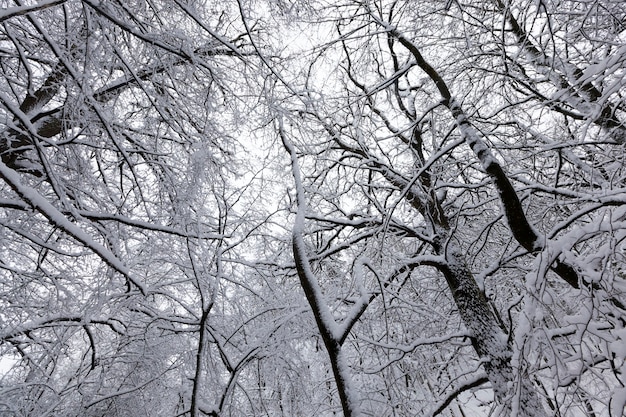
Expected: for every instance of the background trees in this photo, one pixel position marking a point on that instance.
(123, 205)
(454, 220)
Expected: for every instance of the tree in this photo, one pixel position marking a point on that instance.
(405, 138)
(123, 211)
(449, 241)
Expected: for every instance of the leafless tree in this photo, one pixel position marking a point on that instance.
(312, 208)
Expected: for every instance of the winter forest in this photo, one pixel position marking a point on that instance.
(313, 208)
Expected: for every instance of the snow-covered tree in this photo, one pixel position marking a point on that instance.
(475, 147)
(127, 209)
(312, 208)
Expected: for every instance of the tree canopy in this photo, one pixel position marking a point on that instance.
(312, 208)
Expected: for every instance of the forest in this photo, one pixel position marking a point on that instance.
(313, 208)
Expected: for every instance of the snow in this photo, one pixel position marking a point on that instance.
(9, 12)
(94, 215)
(618, 346)
(326, 322)
(618, 402)
(208, 408)
(614, 61)
(557, 329)
(58, 219)
(350, 391)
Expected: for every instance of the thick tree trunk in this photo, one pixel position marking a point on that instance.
(489, 339)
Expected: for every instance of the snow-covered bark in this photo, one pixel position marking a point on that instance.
(116, 160)
(513, 390)
(489, 339)
(332, 334)
(574, 85)
(522, 230)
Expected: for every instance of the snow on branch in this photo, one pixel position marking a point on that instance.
(55, 217)
(10, 12)
(311, 287)
(332, 334)
(523, 231)
(57, 320)
(467, 385)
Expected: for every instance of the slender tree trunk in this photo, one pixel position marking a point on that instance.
(197, 380)
(330, 332)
